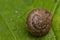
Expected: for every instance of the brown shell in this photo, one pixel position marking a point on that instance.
(39, 21)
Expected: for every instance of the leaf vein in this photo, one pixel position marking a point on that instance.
(55, 7)
(8, 27)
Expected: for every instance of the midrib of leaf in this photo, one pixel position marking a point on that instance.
(55, 7)
(53, 12)
(7, 24)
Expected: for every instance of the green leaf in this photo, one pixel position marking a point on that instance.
(13, 16)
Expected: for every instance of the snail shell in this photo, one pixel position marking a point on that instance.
(38, 21)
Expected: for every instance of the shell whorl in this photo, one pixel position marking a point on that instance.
(38, 21)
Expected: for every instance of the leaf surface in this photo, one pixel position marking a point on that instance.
(13, 15)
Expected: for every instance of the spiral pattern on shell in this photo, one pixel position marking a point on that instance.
(39, 21)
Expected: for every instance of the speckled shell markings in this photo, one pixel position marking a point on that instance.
(38, 21)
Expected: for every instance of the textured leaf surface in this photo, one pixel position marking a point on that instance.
(13, 16)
